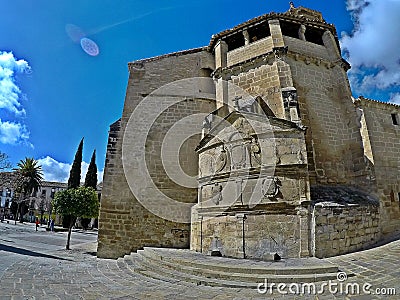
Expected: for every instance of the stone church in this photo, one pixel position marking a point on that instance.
(279, 158)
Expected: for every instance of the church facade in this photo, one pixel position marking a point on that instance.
(279, 158)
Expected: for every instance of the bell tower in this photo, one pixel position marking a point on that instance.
(292, 61)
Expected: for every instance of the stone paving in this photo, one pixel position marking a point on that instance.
(35, 265)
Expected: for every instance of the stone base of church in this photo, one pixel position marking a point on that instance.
(253, 234)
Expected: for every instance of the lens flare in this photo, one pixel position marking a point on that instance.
(89, 46)
(74, 32)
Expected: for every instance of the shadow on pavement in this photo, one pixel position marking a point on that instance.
(27, 252)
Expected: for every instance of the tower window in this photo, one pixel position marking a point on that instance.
(395, 119)
(235, 41)
(314, 35)
(290, 29)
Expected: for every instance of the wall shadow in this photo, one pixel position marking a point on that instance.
(28, 252)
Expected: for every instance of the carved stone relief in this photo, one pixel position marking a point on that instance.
(221, 160)
(213, 161)
(242, 127)
(238, 156)
(255, 153)
(289, 95)
(216, 193)
(271, 188)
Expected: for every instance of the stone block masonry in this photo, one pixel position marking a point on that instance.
(381, 138)
(124, 224)
(343, 229)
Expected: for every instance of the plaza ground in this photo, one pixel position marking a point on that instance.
(35, 265)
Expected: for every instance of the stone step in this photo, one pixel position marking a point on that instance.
(130, 266)
(160, 268)
(111, 271)
(179, 278)
(124, 269)
(181, 257)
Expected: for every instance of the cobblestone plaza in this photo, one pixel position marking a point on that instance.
(34, 265)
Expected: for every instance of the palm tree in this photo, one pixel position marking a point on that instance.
(30, 174)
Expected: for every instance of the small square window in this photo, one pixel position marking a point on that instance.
(395, 119)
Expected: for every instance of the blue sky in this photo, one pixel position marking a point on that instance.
(53, 93)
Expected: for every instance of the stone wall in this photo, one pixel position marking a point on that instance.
(334, 144)
(382, 137)
(262, 81)
(124, 224)
(307, 48)
(249, 51)
(341, 229)
(257, 236)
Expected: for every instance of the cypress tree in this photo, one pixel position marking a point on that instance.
(91, 175)
(74, 180)
(75, 173)
(90, 181)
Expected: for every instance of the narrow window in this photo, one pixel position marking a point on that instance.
(314, 35)
(395, 119)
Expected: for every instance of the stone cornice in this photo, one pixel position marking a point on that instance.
(311, 18)
(273, 56)
(273, 208)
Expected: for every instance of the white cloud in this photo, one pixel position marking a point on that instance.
(10, 93)
(373, 47)
(354, 5)
(13, 133)
(54, 170)
(395, 98)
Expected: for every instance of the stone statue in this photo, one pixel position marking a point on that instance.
(246, 37)
(302, 31)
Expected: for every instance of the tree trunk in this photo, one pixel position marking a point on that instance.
(16, 215)
(71, 224)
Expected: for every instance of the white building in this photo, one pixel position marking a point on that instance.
(39, 202)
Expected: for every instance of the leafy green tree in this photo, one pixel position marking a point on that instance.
(74, 179)
(29, 177)
(79, 202)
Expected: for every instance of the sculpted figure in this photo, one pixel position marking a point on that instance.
(302, 31)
